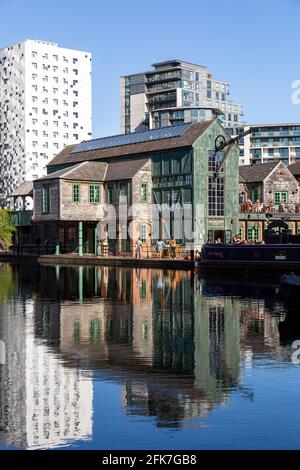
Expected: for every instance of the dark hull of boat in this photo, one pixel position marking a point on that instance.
(279, 258)
(289, 290)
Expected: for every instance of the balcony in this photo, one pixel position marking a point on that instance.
(283, 143)
(162, 77)
(260, 211)
(162, 87)
(162, 98)
(271, 134)
(22, 218)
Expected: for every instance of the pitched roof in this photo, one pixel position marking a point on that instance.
(256, 173)
(85, 171)
(99, 171)
(295, 168)
(184, 140)
(25, 189)
(125, 169)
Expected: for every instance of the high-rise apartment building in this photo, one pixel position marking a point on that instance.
(45, 104)
(269, 143)
(175, 92)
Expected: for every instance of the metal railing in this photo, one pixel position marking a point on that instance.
(22, 218)
(267, 208)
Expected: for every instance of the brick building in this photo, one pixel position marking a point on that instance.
(160, 173)
(268, 192)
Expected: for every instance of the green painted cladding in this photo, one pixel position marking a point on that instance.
(202, 222)
(174, 162)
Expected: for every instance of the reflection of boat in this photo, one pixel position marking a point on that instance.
(290, 284)
(289, 329)
(229, 256)
(237, 286)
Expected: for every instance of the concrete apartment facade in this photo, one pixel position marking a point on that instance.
(45, 104)
(174, 92)
(269, 143)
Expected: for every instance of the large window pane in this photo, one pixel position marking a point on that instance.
(216, 196)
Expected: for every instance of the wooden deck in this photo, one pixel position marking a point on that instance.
(120, 261)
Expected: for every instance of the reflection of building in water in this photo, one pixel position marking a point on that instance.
(259, 327)
(141, 331)
(217, 345)
(43, 404)
(171, 408)
(175, 349)
(259, 314)
(192, 335)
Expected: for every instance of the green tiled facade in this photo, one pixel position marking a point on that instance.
(207, 226)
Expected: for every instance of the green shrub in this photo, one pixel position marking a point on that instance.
(7, 227)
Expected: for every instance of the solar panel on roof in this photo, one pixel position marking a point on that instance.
(133, 138)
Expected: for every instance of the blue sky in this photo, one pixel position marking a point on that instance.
(254, 45)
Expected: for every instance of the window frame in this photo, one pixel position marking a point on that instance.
(76, 193)
(144, 192)
(110, 193)
(46, 199)
(252, 232)
(143, 232)
(92, 194)
(280, 201)
(216, 197)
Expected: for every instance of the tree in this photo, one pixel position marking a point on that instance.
(7, 228)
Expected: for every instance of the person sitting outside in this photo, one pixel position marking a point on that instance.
(237, 239)
(249, 205)
(257, 207)
(291, 208)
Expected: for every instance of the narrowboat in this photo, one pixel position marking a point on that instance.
(265, 256)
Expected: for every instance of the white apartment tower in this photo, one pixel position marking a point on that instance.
(45, 104)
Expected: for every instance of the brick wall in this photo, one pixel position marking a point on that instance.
(38, 214)
(84, 210)
(281, 179)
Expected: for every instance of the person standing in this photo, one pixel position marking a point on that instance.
(173, 246)
(99, 251)
(138, 248)
(160, 248)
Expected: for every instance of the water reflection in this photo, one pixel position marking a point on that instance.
(176, 344)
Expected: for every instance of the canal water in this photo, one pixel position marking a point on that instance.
(109, 358)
